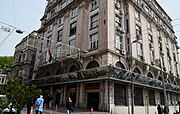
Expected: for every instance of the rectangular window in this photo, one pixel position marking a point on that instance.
(162, 102)
(152, 56)
(94, 4)
(49, 41)
(138, 96)
(59, 35)
(151, 97)
(138, 32)
(94, 41)
(58, 52)
(73, 28)
(61, 20)
(137, 16)
(94, 21)
(74, 12)
(46, 57)
(72, 44)
(139, 48)
(149, 26)
(50, 27)
(53, 12)
(119, 42)
(118, 21)
(150, 38)
(118, 4)
(158, 33)
(120, 94)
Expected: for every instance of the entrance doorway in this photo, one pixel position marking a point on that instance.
(58, 97)
(93, 101)
(73, 97)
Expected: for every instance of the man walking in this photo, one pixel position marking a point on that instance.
(39, 104)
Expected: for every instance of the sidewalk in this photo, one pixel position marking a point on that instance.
(62, 110)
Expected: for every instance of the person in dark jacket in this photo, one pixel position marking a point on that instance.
(30, 103)
(159, 109)
(69, 106)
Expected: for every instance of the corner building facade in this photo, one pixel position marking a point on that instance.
(104, 54)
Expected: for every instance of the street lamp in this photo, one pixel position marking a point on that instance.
(166, 107)
(132, 80)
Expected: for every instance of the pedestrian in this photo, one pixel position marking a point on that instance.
(39, 104)
(29, 105)
(159, 109)
(50, 99)
(69, 106)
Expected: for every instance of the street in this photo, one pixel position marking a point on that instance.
(63, 111)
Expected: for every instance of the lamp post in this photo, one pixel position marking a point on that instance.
(166, 107)
(132, 79)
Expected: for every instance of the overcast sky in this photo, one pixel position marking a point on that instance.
(26, 14)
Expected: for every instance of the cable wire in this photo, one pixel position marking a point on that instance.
(7, 36)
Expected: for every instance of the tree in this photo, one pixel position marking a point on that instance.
(18, 93)
(6, 61)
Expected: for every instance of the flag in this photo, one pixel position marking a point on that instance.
(50, 55)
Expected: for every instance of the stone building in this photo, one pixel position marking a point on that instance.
(112, 55)
(24, 57)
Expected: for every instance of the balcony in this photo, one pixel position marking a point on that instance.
(104, 73)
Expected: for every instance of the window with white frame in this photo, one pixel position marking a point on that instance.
(152, 56)
(74, 12)
(46, 56)
(138, 31)
(118, 21)
(119, 42)
(61, 20)
(58, 52)
(94, 41)
(94, 4)
(72, 44)
(73, 28)
(59, 35)
(94, 21)
(50, 27)
(166, 40)
(158, 33)
(137, 16)
(118, 4)
(53, 12)
(48, 41)
(139, 48)
(149, 26)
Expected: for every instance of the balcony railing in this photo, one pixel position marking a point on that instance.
(105, 73)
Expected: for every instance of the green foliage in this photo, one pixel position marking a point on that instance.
(3, 103)
(6, 61)
(18, 93)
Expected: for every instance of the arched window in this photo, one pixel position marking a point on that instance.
(73, 68)
(150, 75)
(136, 70)
(92, 64)
(120, 65)
(160, 78)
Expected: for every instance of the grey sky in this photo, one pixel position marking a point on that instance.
(26, 14)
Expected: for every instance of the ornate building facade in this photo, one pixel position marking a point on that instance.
(24, 57)
(119, 55)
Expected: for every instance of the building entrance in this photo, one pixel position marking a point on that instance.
(93, 100)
